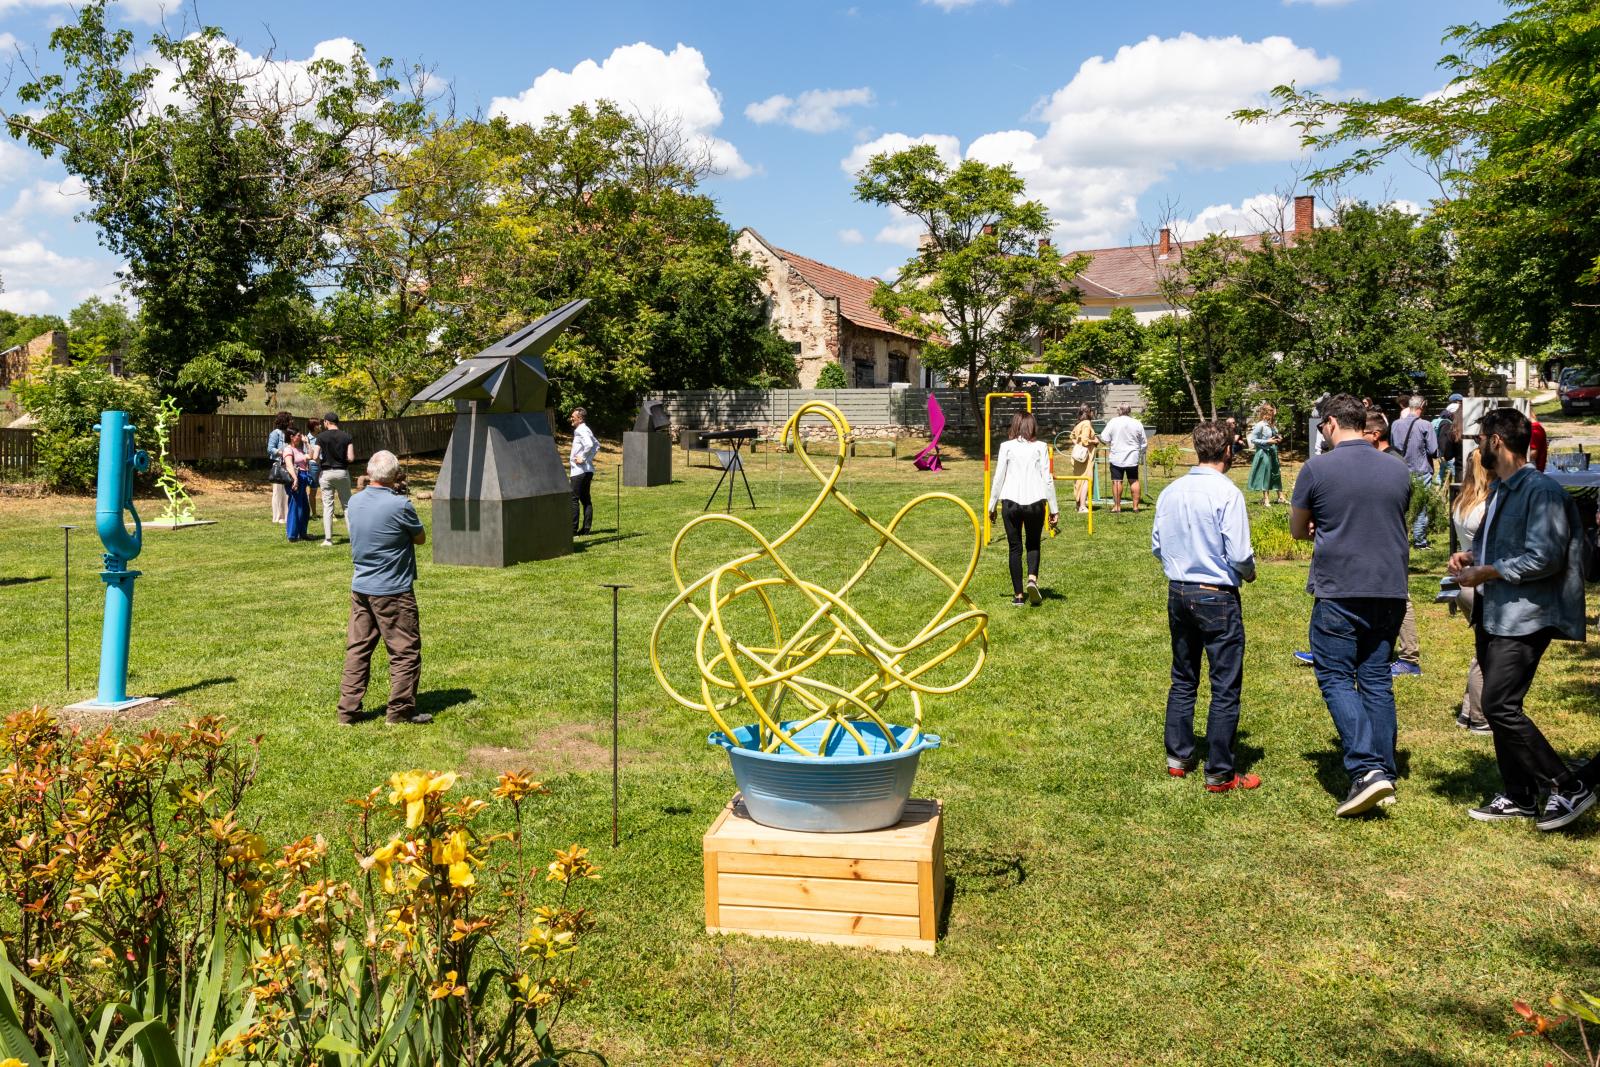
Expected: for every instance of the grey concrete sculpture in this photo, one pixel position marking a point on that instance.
(647, 449)
(502, 496)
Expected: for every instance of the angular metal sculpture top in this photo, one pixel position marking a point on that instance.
(652, 418)
(509, 375)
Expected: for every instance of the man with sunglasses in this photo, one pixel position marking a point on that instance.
(1351, 500)
(1527, 565)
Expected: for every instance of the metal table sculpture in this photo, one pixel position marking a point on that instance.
(841, 765)
(119, 462)
(647, 448)
(502, 495)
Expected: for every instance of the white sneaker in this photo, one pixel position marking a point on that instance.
(326, 543)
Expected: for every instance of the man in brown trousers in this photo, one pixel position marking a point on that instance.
(384, 532)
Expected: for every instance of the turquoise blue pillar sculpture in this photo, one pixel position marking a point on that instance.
(119, 462)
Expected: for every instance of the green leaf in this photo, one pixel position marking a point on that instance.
(333, 1043)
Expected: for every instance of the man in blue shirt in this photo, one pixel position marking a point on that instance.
(1413, 438)
(1202, 538)
(1352, 499)
(384, 532)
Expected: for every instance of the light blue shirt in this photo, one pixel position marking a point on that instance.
(1202, 533)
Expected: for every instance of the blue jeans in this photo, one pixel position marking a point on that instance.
(1351, 642)
(1419, 527)
(1205, 619)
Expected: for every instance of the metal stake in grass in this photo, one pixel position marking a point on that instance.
(619, 505)
(615, 703)
(66, 596)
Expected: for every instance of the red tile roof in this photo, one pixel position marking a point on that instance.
(1134, 270)
(853, 291)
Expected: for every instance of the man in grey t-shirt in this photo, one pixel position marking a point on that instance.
(384, 533)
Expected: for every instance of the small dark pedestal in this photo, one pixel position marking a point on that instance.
(646, 458)
(502, 496)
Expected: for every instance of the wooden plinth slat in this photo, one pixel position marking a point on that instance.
(822, 894)
(817, 867)
(801, 921)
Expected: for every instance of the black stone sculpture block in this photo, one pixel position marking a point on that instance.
(646, 459)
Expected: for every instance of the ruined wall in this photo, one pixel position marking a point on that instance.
(798, 312)
(876, 348)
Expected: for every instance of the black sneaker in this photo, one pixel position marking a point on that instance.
(421, 718)
(1565, 805)
(1421, 545)
(1365, 794)
(1500, 809)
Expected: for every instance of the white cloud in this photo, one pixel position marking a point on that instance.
(287, 80)
(1121, 124)
(851, 236)
(948, 147)
(956, 5)
(1410, 207)
(8, 41)
(27, 301)
(639, 78)
(901, 230)
(48, 198)
(814, 111)
(137, 10)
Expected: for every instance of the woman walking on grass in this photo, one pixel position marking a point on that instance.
(1021, 488)
(1266, 476)
(297, 463)
(1083, 442)
(1467, 515)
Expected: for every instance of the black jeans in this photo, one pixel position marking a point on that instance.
(580, 496)
(1205, 619)
(1023, 521)
(1527, 761)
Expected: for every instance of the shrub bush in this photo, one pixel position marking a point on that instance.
(68, 401)
(135, 883)
(1270, 537)
(832, 377)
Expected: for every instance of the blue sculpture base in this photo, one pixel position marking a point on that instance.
(119, 705)
(840, 791)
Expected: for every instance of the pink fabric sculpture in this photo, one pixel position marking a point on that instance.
(928, 458)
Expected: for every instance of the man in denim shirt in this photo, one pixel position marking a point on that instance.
(1352, 499)
(1202, 538)
(1527, 565)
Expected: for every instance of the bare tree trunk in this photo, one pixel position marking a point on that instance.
(1188, 379)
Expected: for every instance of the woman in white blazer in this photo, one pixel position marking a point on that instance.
(1020, 489)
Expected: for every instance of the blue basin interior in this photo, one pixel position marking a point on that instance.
(841, 791)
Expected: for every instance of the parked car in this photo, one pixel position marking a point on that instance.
(1580, 391)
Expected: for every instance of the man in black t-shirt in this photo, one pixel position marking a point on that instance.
(1352, 500)
(338, 452)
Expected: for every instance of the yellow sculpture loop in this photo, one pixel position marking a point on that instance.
(767, 674)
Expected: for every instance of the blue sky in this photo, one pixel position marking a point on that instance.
(1109, 111)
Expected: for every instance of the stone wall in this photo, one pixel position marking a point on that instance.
(876, 347)
(801, 315)
(14, 362)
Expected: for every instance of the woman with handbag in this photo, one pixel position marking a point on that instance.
(1265, 473)
(1022, 486)
(296, 463)
(275, 442)
(1083, 442)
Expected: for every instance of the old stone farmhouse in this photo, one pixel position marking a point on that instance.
(826, 315)
(1130, 276)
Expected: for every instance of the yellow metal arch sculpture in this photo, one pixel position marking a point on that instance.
(768, 674)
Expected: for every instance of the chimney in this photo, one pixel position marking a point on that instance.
(988, 229)
(925, 243)
(1305, 215)
(1044, 243)
(1166, 242)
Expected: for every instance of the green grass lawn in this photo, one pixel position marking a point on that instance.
(1100, 912)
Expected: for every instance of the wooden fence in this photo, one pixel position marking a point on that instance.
(17, 455)
(201, 438)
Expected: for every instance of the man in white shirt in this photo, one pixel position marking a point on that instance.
(581, 470)
(1125, 443)
(1202, 538)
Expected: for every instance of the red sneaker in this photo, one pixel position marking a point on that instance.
(1238, 781)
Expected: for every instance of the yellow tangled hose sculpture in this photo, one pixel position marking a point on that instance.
(768, 675)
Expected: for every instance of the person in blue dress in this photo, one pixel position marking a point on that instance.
(297, 463)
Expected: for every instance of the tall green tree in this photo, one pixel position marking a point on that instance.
(226, 183)
(1514, 142)
(985, 283)
(1106, 348)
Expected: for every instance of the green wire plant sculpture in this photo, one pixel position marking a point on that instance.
(179, 509)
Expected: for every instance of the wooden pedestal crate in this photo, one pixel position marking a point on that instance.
(879, 889)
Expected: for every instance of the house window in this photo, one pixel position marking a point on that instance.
(899, 368)
(794, 348)
(864, 374)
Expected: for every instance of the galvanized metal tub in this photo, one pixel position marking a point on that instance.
(840, 791)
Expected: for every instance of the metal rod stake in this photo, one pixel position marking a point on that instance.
(616, 774)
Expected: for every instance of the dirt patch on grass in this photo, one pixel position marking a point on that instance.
(564, 748)
(94, 720)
